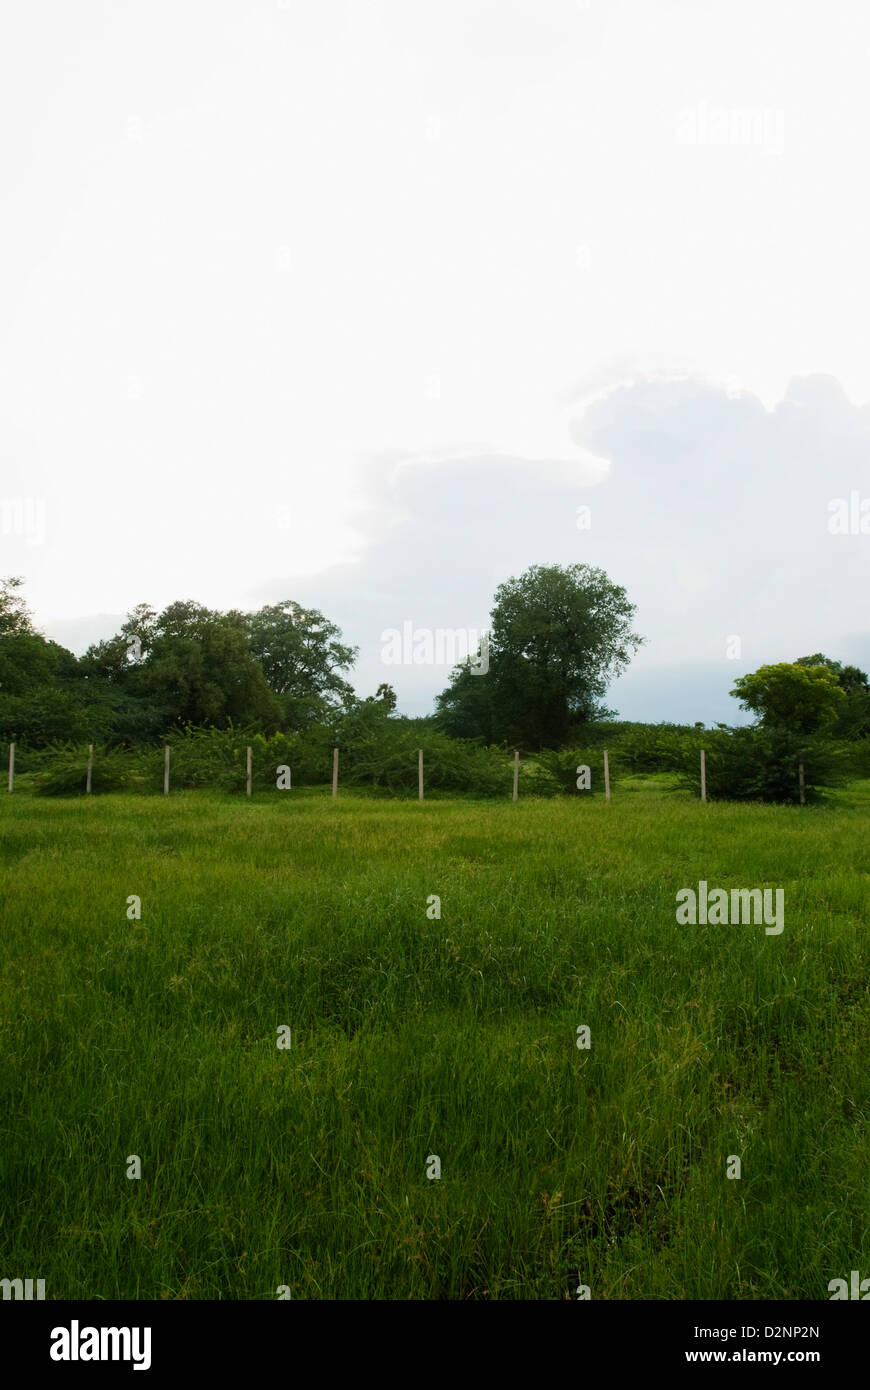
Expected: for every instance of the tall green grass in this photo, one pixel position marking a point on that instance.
(413, 1036)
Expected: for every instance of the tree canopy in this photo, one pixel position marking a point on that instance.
(559, 634)
(791, 695)
(278, 668)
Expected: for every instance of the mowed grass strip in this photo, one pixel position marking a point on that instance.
(412, 1037)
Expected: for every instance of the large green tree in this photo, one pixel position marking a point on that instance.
(788, 695)
(559, 635)
(302, 657)
(276, 668)
(186, 665)
(853, 716)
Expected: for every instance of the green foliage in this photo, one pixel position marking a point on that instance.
(597, 733)
(382, 756)
(300, 654)
(209, 757)
(27, 758)
(849, 678)
(192, 666)
(388, 758)
(804, 699)
(853, 717)
(559, 634)
(465, 708)
(38, 698)
(379, 752)
(760, 763)
(386, 695)
(45, 716)
(558, 769)
(14, 614)
(62, 770)
(656, 747)
(28, 660)
(211, 678)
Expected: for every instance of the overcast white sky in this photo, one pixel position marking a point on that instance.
(356, 302)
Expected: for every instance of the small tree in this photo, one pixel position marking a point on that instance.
(14, 613)
(387, 695)
(796, 705)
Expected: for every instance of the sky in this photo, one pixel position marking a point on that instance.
(356, 304)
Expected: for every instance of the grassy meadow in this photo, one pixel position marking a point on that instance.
(412, 1036)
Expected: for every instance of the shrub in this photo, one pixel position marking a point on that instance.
(658, 747)
(761, 764)
(558, 770)
(62, 770)
(388, 758)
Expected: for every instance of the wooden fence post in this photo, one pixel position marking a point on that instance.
(90, 768)
(166, 770)
(516, 772)
(801, 784)
(703, 775)
(335, 772)
(420, 773)
(248, 772)
(11, 764)
(606, 777)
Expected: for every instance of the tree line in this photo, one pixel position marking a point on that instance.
(558, 636)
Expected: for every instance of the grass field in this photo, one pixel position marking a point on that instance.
(414, 1037)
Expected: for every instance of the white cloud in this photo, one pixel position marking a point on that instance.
(251, 253)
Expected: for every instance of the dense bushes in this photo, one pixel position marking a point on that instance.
(384, 759)
(61, 770)
(761, 764)
(47, 716)
(751, 763)
(557, 770)
(388, 758)
(379, 754)
(657, 747)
